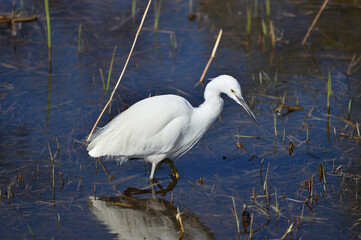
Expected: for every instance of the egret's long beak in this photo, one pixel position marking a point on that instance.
(241, 102)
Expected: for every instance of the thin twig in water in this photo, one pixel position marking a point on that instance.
(111, 177)
(314, 22)
(122, 73)
(287, 232)
(352, 68)
(211, 58)
(235, 212)
(180, 224)
(351, 137)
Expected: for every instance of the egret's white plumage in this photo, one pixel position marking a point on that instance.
(164, 126)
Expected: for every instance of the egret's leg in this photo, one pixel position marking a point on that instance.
(154, 164)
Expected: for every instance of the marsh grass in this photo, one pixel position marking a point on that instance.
(272, 33)
(102, 77)
(324, 179)
(314, 22)
(235, 213)
(157, 10)
(191, 15)
(255, 8)
(53, 178)
(180, 224)
(46, 5)
(264, 28)
(51, 155)
(80, 45)
(329, 92)
(268, 7)
(288, 231)
(59, 220)
(354, 65)
(173, 41)
(275, 125)
(307, 138)
(31, 231)
(134, 7)
(251, 228)
(356, 195)
(211, 58)
(349, 110)
(276, 198)
(249, 19)
(265, 188)
(276, 73)
(111, 68)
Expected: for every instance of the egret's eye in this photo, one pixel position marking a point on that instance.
(232, 91)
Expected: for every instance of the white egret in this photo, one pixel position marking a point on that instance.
(164, 126)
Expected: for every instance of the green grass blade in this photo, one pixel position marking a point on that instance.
(134, 5)
(275, 124)
(328, 92)
(349, 109)
(235, 212)
(31, 232)
(249, 19)
(157, 15)
(268, 7)
(265, 181)
(46, 5)
(111, 68)
(79, 38)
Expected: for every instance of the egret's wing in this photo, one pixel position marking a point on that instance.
(152, 126)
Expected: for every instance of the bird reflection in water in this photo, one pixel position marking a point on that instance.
(145, 217)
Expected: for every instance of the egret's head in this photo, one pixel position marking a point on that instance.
(231, 87)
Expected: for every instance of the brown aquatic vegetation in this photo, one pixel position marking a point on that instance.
(13, 18)
(314, 22)
(357, 138)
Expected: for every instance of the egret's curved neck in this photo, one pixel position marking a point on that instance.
(212, 98)
(211, 108)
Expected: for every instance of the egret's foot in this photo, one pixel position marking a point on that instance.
(171, 165)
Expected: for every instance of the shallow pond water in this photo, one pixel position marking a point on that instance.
(300, 166)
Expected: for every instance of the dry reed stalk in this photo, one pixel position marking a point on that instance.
(349, 136)
(211, 58)
(111, 177)
(287, 232)
(272, 33)
(314, 22)
(122, 73)
(180, 224)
